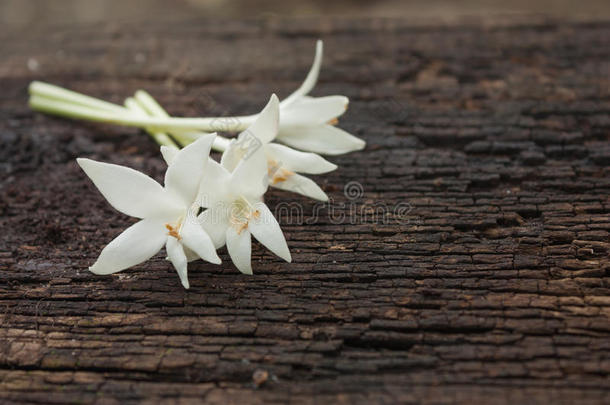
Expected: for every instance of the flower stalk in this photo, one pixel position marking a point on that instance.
(203, 204)
(127, 118)
(306, 123)
(141, 111)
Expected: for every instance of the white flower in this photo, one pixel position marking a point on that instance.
(307, 123)
(283, 162)
(168, 215)
(232, 194)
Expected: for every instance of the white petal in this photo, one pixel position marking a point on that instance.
(169, 153)
(250, 177)
(134, 245)
(131, 192)
(313, 110)
(267, 231)
(214, 185)
(310, 80)
(215, 221)
(231, 156)
(246, 158)
(184, 175)
(323, 139)
(297, 161)
(190, 255)
(266, 125)
(302, 185)
(239, 246)
(176, 255)
(196, 239)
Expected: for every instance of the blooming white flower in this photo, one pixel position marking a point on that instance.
(307, 123)
(283, 162)
(167, 214)
(232, 194)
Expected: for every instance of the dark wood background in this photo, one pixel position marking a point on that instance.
(490, 286)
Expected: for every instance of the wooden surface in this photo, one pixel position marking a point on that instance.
(492, 286)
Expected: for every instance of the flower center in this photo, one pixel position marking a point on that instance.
(276, 173)
(241, 214)
(173, 228)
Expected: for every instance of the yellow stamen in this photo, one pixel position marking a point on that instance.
(173, 231)
(281, 175)
(241, 213)
(242, 227)
(271, 167)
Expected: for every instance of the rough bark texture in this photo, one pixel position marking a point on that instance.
(483, 276)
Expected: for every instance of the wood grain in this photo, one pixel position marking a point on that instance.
(473, 268)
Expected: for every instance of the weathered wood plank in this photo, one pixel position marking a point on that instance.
(492, 282)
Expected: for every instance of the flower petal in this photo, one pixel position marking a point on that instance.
(190, 255)
(184, 174)
(297, 161)
(310, 80)
(134, 245)
(215, 221)
(239, 246)
(302, 185)
(131, 192)
(250, 177)
(196, 239)
(176, 255)
(233, 154)
(267, 122)
(313, 110)
(169, 153)
(267, 231)
(323, 139)
(214, 186)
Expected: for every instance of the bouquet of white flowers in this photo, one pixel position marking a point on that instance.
(205, 204)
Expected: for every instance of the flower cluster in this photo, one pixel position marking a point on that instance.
(203, 204)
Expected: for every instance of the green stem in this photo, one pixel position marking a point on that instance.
(85, 108)
(58, 93)
(143, 112)
(160, 137)
(154, 109)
